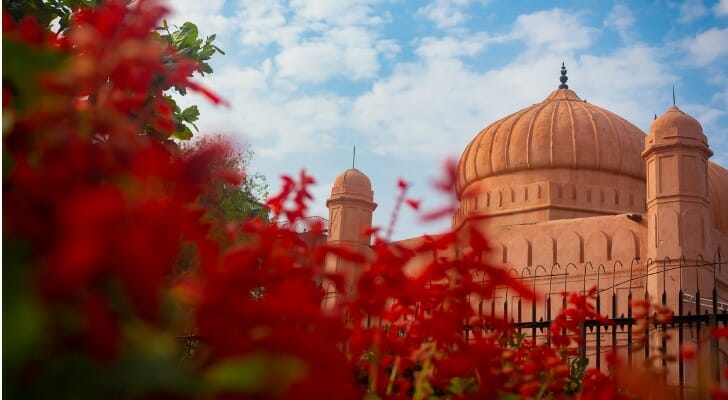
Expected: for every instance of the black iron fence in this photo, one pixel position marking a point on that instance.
(694, 291)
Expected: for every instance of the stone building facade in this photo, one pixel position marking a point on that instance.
(572, 196)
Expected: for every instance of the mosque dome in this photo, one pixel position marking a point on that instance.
(353, 182)
(563, 131)
(674, 122)
(560, 158)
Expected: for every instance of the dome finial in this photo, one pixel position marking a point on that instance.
(563, 77)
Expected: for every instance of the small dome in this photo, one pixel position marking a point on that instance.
(353, 182)
(563, 131)
(674, 122)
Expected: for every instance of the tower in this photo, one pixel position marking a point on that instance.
(678, 207)
(351, 207)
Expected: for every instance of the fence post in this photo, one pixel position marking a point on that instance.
(681, 364)
(533, 303)
(714, 367)
(629, 328)
(599, 330)
(582, 345)
(548, 318)
(519, 316)
(698, 321)
(663, 344)
(505, 309)
(614, 315)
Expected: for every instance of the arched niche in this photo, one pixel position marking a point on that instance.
(496, 253)
(596, 247)
(625, 246)
(544, 250)
(519, 252)
(569, 248)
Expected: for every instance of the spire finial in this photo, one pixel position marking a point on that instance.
(673, 96)
(353, 157)
(563, 77)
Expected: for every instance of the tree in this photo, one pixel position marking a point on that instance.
(228, 202)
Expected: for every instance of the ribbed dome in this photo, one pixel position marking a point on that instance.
(563, 131)
(674, 122)
(352, 182)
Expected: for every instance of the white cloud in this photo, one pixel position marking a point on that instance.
(450, 46)
(721, 8)
(263, 22)
(621, 19)
(706, 115)
(338, 12)
(554, 30)
(622, 80)
(721, 97)
(206, 15)
(317, 40)
(445, 13)
(691, 10)
(431, 106)
(341, 52)
(708, 46)
(278, 121)
(434, 107)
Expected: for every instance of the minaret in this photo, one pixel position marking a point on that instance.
(351, 207)
(678, 209)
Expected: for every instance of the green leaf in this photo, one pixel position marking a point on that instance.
(190, 114)
(257, 373)
(186, 36)
(206, 52)
(183, 133)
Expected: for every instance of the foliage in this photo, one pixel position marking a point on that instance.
(95, 215)
(188, 46)
(232, 202)
(181, 50)
(46, 12)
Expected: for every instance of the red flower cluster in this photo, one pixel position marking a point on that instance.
(579, 308)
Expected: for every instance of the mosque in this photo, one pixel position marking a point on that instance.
(577, 196)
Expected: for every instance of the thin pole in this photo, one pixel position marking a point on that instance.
(353, 157)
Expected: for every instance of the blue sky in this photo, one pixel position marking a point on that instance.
(410, 83)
